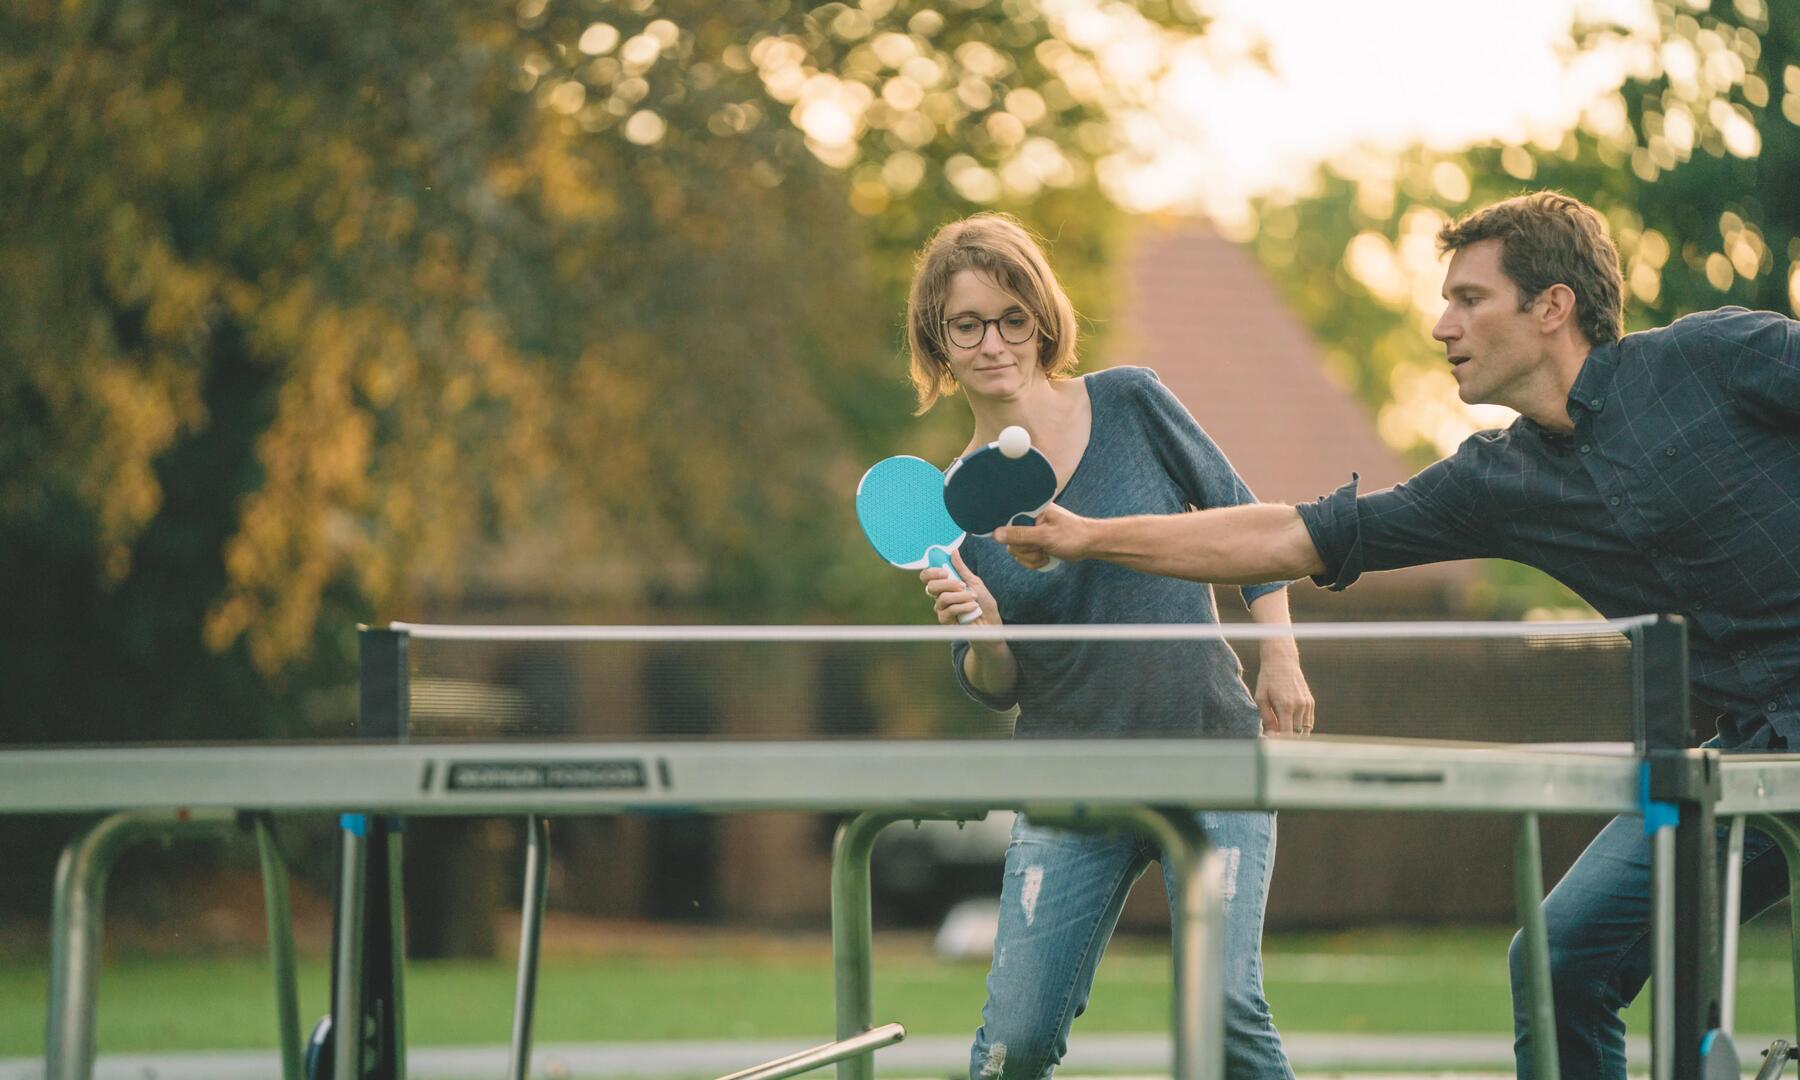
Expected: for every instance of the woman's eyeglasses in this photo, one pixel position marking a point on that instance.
(966, 331)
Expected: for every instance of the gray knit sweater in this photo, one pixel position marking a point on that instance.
(1145, 455)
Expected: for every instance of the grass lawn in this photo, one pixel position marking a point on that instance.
(1362, 981)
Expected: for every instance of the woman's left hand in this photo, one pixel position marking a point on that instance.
(1282, 696)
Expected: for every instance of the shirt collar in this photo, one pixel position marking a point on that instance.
(1593, 383)
(1545, 435)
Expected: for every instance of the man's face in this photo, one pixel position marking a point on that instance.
(1494, 349)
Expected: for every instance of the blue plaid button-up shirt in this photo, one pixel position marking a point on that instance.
(1678, 491)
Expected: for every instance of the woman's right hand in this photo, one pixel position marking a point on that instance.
(952, 598)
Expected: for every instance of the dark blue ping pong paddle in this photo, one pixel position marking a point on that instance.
(988, 487)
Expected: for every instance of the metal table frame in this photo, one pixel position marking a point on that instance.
(1147, 785)
(1760, 791)
(1077, 783)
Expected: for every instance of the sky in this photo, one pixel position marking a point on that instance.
(1346, 73)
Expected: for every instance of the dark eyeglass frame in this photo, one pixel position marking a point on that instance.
(1031, 327)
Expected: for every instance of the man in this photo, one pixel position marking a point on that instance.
(1658, 472)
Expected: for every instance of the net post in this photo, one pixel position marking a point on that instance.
(1680, 788)
(369, 963)
(1660, 717)
(382, 658)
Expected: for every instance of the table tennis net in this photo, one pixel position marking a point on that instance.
(1523, 683)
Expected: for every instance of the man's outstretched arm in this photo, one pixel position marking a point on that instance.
(1230, 545)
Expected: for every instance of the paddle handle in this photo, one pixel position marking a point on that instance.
(1031, 519)
(940, 556)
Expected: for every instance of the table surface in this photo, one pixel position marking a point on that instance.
(467, 778)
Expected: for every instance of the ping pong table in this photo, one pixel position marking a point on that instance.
(1145, 785)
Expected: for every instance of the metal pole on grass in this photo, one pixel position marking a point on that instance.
(852, 926)
(531, 929)
(78, 920)
(1528, 883)
(1784, 829)
(1662, 954)
(1728, 925)
(279, 913)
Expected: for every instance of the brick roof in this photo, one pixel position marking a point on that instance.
(1199, 310)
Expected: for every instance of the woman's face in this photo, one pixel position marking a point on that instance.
(1004, 359)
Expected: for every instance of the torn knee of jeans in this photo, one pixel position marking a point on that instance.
(1028, 892)
(995, 1061)
(1231, 856)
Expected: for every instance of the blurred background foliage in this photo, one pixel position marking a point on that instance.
(322, 312)
(1689, 162)
(315, 312)
(1692, 162)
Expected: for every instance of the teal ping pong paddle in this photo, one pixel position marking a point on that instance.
(988, 487)
(900, 503)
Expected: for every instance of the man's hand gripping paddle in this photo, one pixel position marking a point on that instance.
(1006, 482)
(900, 503)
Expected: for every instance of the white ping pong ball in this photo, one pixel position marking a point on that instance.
(1014, 441)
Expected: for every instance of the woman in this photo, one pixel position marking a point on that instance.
(987, 315)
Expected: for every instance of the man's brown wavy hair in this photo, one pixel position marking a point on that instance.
(1548, 238)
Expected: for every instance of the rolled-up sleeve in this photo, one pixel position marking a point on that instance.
(1429, 518)
(1331, 522)
(959, 650)
(1253, 593)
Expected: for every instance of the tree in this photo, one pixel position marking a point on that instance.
(315, 311)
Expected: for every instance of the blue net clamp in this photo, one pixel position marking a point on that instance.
(1658, 814)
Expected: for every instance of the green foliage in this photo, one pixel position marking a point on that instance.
(321, 312)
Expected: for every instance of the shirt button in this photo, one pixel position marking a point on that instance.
(1742, 654)
(1585, 448)
(1770, 707)
(1594, 403)
(1614, 500)
(1668, 451)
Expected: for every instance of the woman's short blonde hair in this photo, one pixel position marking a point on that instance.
(998, 246)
